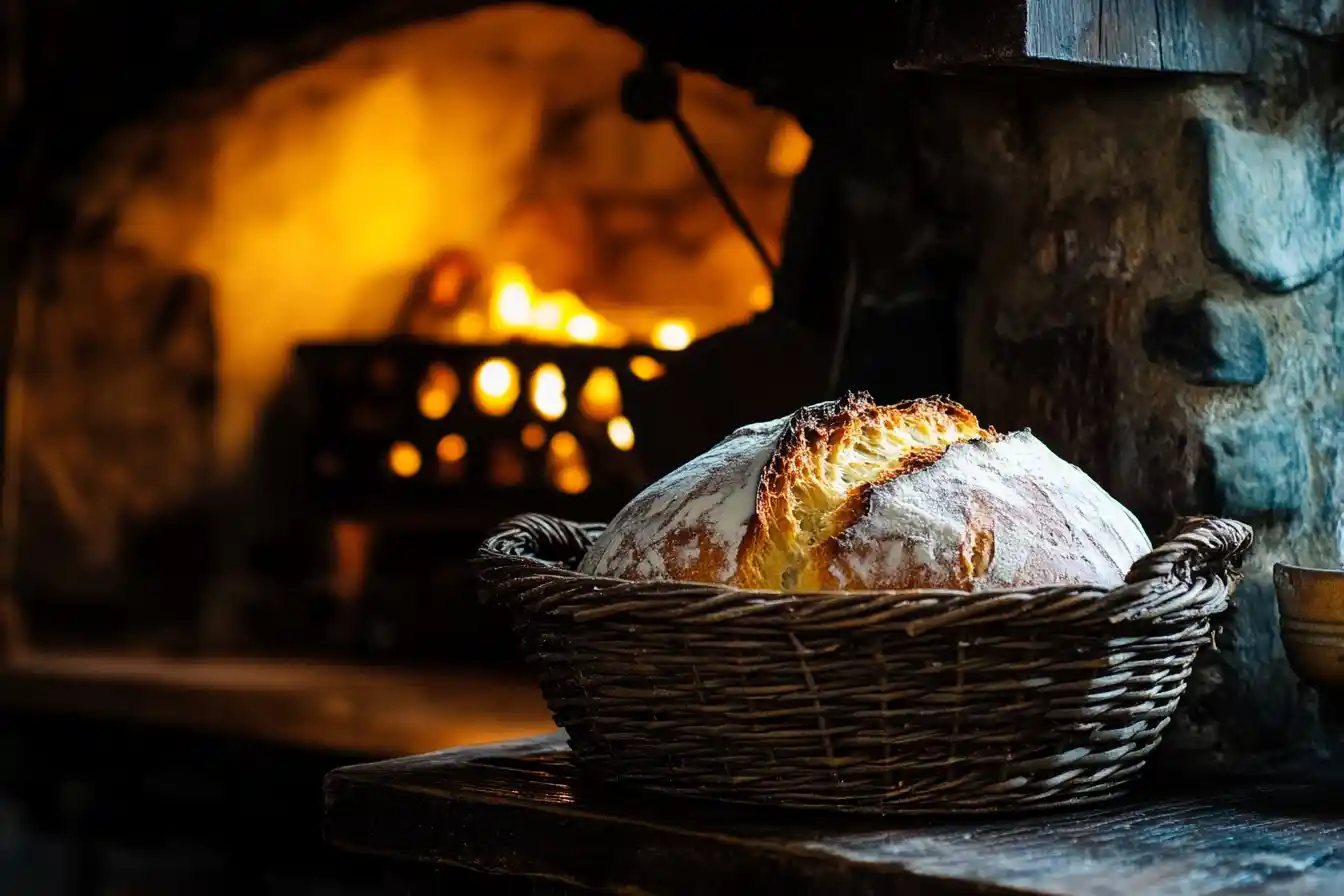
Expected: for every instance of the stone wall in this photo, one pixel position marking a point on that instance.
(1151, 280)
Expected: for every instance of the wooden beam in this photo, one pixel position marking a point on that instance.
(1211, 36)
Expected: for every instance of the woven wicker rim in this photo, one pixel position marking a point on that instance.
(1184, 579)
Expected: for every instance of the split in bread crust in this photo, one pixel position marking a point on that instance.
(818, 481)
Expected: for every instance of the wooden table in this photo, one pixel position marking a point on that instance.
(362, 710)
(521, 809)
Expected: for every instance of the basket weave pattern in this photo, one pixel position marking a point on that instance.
(866, 701)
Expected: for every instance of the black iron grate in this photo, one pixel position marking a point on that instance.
(371, 449)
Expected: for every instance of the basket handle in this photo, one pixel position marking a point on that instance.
(1198, 546)
(548, 539)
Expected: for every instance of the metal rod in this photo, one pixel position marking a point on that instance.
(721, 191)
(847, 302)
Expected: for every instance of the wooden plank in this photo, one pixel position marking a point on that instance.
(524, 809)
(1121, 33)
(1206, 36)
(1218, 35)
(376, 712)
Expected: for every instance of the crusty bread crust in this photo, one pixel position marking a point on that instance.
(853, 495)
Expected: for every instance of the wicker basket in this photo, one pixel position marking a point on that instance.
(882, 702)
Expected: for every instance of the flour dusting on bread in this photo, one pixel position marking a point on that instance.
(689, 525)
(852, 495)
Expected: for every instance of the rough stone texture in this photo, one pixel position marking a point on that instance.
(1063, 230)
(1254, 469)
(1322, 18)
(1210, 342)
(1276, 202)
(117, 430)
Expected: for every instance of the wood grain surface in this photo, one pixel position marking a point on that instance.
(1207, 36)
(522, 808)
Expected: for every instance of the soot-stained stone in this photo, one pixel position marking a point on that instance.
(1276, 206)
(1210, 342)
(1253, 469)
(1323, 18)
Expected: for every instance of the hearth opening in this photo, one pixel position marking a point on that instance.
(298, 353)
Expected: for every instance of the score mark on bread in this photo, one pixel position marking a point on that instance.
(852, 495)
(818, 481)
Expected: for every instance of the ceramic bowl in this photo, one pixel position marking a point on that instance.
(1311, 622)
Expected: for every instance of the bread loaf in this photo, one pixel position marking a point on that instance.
(851, 495)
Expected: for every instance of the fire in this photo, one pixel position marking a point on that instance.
(508, 305)
(572, 479)
(548, 392)
(496, 387)
(404, 459)
(564, 446)
(452, 448)
(621, 433)
(582, 328)
(673, 335)
(646, 368)
(600, 397)
(533, 436)
(438, 392)
(518, 309)
(513, 304)
(566, 465)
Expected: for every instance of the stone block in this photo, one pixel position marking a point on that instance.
(1276, 205)
(1321, 18)
(1208, 341)
(1253, 469)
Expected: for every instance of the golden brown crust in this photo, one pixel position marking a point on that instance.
(798, 503)
(849, 494)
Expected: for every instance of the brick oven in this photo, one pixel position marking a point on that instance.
(299, 329)
(303, 298)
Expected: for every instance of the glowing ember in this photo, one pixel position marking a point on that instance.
(621, 433)
(600, 397)
(564, 446)
(673, 335)
(452, 448)
(646, 368)
(534, 436)
(404, 459)
(438, 392)
(496, 387)
(582, 328)
(548, 392)
(565, 463)
(572, 479)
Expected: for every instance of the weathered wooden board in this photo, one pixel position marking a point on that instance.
(522, 808)
(1209, 36)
